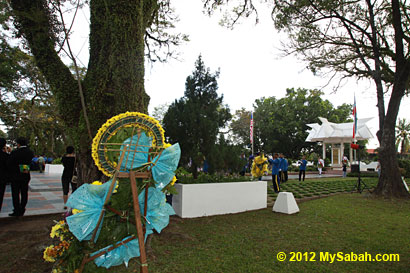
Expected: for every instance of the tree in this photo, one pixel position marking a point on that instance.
(119, 34)
(195, 119)
(228, 157)
(281, 124)
(361, 39)
(159, 112)
(27, 106)
(403, 136)
(239, 127)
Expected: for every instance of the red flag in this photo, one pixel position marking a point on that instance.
(354, 118)
(251, 128)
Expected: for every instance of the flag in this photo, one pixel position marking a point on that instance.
(251, 128)
(354, 118)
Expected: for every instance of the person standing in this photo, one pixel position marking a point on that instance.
(283, 168)
(302, 168)
(41, 163)
(259, 166)
(345, 162)
(69, 162)
(19, 167)
(3, 169)
(275, 162)
(320, 165)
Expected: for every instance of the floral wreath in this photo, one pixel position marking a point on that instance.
(118, 125)
(131, 142)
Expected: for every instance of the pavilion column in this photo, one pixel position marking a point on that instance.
(342, 151)
(350, 154)
(324, 151)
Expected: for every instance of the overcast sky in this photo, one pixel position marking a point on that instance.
(249, 61)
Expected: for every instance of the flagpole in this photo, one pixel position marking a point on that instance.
(354, 125)
(251, 131)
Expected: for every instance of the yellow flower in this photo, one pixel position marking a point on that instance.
(49, 254)
(54, 230)
(173, 180)
(75, 211)
(166, 145)
(97, 182)
(116, 187)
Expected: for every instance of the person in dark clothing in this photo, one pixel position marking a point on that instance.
(302, 168)
(275, 162)
(19, 167)
(4, 175)
(68, 161)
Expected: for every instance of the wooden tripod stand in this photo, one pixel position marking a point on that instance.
(133, 176)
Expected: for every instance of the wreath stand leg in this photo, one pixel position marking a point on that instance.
(137, 215)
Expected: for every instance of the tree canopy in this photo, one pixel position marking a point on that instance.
(122, 34)
(280, 124)
(195, 119)
(359, 38)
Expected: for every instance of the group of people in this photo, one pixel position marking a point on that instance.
(39, 162)
(279, 168)
(15, 169)
(279, 165)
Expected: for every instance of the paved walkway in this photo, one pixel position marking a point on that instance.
(45, 194)
(309, 175)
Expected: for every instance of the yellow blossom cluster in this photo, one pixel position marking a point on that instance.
(112, 121)
(58, 230)
(75, 211)
(52, 252)
(174, 179)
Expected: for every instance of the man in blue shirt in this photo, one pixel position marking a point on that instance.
(283, 168)
(302, 167)
(275, 162)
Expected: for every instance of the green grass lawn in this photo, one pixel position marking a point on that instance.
(250, 241)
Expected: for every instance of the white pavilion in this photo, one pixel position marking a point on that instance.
(337, 135)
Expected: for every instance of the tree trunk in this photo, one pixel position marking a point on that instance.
(115, 77)
(390, 183)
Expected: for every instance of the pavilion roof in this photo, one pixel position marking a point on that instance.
(338, 132)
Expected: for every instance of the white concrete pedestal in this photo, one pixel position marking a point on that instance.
(54, 168)
(198, 200)
(285, 203)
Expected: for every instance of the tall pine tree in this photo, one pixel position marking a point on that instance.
(195, 119)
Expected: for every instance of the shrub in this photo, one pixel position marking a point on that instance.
(405, 165)
(57, 161)
(211, 178)
(363, 174)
